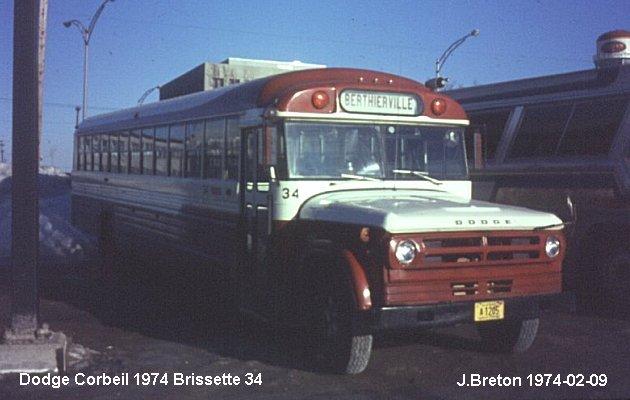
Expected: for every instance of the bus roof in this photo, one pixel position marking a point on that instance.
(260, 93)
(223, 101)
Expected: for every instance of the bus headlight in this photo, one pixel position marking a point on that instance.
(552, 247)
(406, 251)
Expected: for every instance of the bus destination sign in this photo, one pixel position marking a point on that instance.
(372, 102)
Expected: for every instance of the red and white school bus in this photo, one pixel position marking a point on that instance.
(337, 198)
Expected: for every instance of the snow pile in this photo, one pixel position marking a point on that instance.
(7, 169)
(60, 242)
(52, 171)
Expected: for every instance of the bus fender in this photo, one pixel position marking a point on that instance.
(362, 292)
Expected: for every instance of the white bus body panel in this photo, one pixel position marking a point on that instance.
(401, 206)
(407, 211)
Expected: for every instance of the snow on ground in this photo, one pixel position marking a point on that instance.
(60, 242)
(5, 171)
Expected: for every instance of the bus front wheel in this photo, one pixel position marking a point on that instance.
(509, 336)
(336, 344)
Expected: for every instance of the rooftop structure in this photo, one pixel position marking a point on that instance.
(231, 71)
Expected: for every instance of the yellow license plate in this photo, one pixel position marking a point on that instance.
(489, 310)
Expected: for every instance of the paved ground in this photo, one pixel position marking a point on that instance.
(173, 336)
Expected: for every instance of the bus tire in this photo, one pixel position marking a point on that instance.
(337, 346)
(509, 336)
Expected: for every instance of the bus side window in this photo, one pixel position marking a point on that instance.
(215, 145)
(161, 151)
(148, 154)
(268, 153)
(124, 152)
(105, 160)
(96, 152)
(89, 161)
(114, 152)
(135, 146)
(80, 165)
(176, 150)
(250, 155)
(233, 147)
(194, 148)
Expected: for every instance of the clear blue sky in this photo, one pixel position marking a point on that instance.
(138, 44)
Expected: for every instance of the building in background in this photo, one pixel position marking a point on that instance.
(232, 71)
(561, 143)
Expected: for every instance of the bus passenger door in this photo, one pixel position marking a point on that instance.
(255, 221)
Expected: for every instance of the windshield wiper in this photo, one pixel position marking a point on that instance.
(421, 174)
(359, 177)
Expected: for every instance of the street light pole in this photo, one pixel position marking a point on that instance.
(86, 34)
(438, 82)
(86, 57)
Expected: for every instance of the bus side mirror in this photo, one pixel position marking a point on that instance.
(572, 212)
(477, 150)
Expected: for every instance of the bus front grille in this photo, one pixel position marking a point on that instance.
(466, 249)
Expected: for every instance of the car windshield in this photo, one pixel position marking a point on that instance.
(374, 152)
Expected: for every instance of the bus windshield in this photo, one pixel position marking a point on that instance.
(373, 152)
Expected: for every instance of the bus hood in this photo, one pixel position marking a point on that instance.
(407, 211)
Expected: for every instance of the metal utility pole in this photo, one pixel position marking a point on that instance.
(27, 346)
